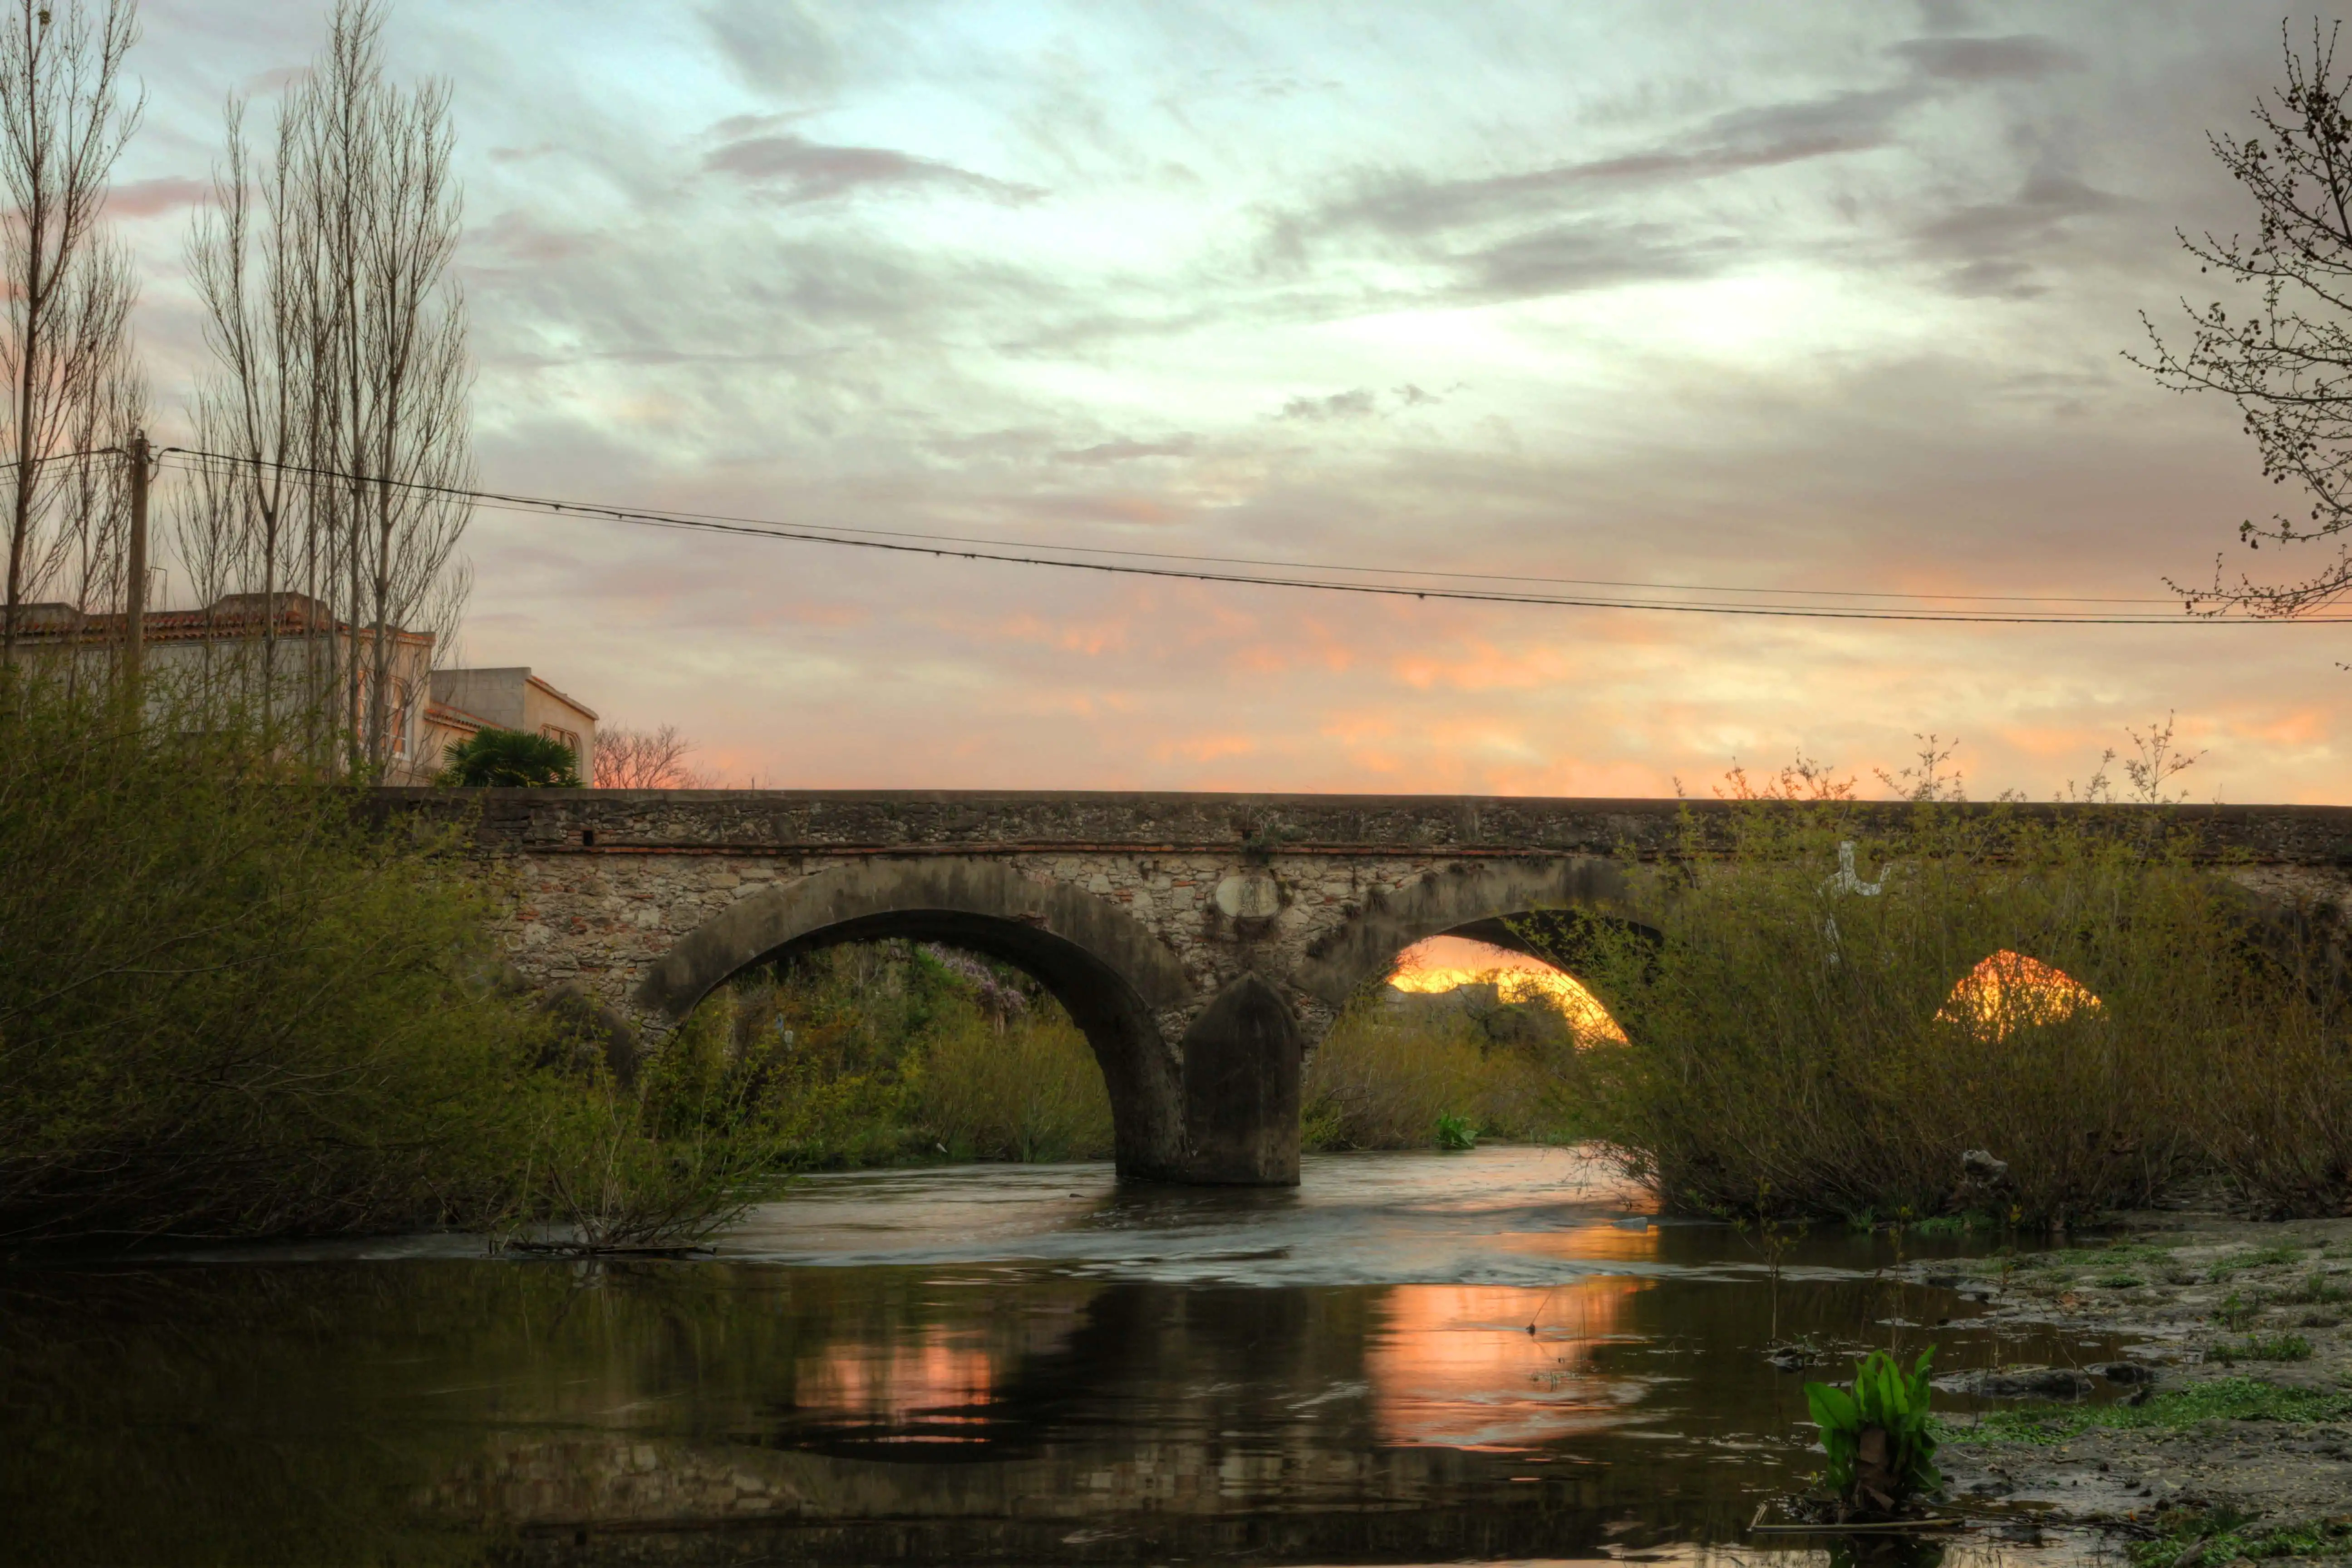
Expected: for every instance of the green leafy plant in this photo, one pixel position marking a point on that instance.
(512, 759)
(2319, 1288)
(2191, 1538)
(2236, 1313)
(1879, 1434)
(1456, 1133)
(2262, 1347)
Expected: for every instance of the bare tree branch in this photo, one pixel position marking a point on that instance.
(73, 391)
(645, 759)
(2287, 361)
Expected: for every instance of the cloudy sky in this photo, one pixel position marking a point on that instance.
(1809, 297)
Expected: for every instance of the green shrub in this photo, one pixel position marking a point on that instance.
(2273, 1108)
(513, 758)
(230, 1007)
(1029, 1091)
(227, 1007)
(1391, 1077)
(1790, 1038)
(873, 1053)
(2264, 1347)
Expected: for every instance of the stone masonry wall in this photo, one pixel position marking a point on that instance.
(598, 921)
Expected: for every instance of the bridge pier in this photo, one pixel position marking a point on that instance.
(1242, 1057)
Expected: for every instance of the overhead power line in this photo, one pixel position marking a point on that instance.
(1379, 582)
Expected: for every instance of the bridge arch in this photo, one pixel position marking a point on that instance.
(1473, 899)
(1109, 969)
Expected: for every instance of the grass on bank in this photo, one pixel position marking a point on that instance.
(2262, 1347)
(2207, 1538)
(1795, 1048)
(2222, 1399)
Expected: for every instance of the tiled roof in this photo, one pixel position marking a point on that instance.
(441, 715)
(564, 697)
(235, 617)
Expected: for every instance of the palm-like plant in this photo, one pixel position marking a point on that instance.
(1881, 1444)
(512, 759)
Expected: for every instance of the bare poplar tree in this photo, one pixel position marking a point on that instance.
(238, 517)
(2287, 361)
(340, 385)
(73, 391)
(644, 759)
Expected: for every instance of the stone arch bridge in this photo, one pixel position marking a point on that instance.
(1204, 943)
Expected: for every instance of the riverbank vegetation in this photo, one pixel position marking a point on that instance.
(898, 1051)
(229, 1006)
(1402, 1072)
(1817, 1036)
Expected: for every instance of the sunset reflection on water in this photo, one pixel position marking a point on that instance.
(1499, 1366)
(920, 1391)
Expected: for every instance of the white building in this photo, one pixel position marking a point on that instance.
(468, 701)
(433, 709)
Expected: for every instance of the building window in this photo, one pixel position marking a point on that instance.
(404, 711)
(568, 738)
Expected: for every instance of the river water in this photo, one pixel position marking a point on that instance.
(1411, 1358)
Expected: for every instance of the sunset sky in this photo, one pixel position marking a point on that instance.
(1816, 297)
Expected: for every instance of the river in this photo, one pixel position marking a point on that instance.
(1498, 1355)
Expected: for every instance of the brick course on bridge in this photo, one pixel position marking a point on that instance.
(1204, 943)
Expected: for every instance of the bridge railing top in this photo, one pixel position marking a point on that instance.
(970, 821)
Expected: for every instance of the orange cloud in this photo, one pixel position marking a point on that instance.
(1206, 748)
(1484, 668)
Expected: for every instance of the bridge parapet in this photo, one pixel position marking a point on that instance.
(992, 821)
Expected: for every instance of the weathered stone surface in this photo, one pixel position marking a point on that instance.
(1241, 1057)
(643, 900)
(961, 821)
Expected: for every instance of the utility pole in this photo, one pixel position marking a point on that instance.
(134, 591)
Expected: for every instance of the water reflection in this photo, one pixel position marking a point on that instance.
(1490, 1366)
(1444, 1366)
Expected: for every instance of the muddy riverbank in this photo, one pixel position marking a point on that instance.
(2225, 1434)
